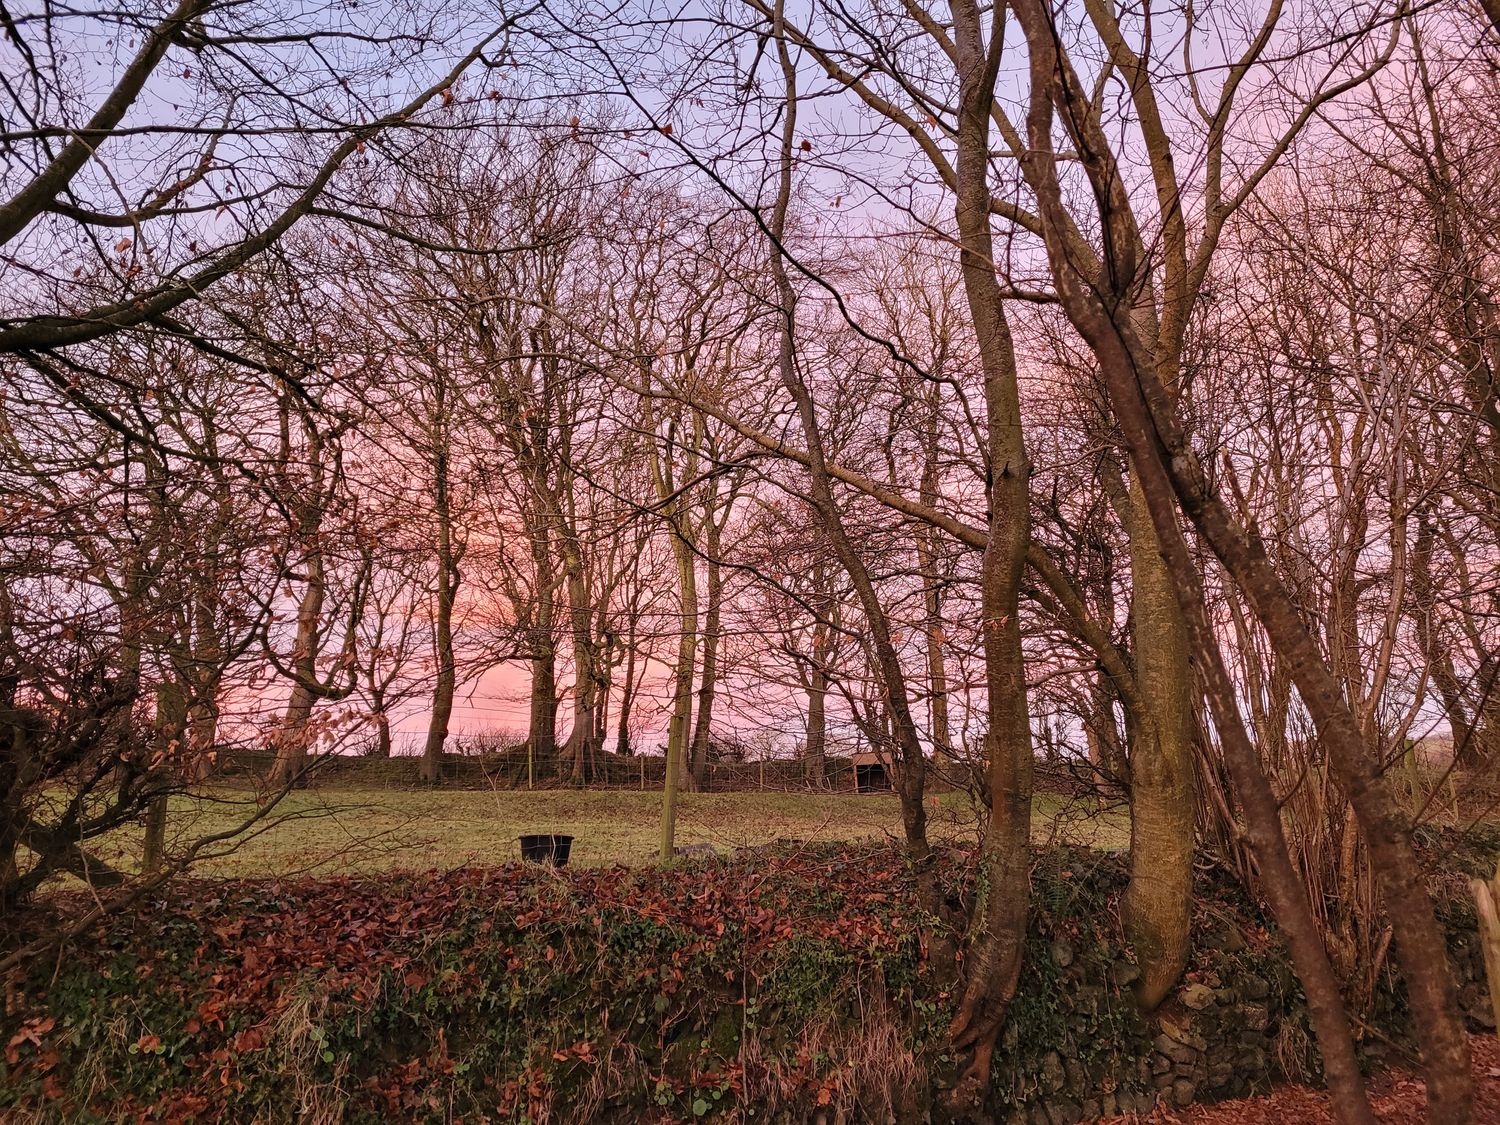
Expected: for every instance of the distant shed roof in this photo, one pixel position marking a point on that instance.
(873, 758)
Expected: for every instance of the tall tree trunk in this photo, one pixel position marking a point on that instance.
(678, 727)
(709, 672)
(627, 699)
(932, 598)
(382, 724)
(1159, 897)
(1107, 329)
(1102, 732)
(207, 659)
(601, 705)
(579, 750)
(911, 766)
(542, 728)
(1429, 641)
(932, 607)
(167, 742)
(290, 740)
(815, 748)
(997, 927)
(448, 579)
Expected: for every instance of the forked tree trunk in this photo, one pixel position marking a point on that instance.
(1422, 951)
(290, 740)
(1169, 468)
(997, 926)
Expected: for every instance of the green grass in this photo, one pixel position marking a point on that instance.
(365, 831)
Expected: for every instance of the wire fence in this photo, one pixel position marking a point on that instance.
(514, 768)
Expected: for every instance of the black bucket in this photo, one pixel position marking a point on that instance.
(547, 849)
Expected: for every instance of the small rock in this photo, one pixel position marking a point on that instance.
(1181, 1030)
(1476, 1004)
(1053, 1076)
(1173, 1050)
(1229, 940)
(1256, 1017)
(1255, 988)
(1123, 973)
(1197, 996)
(1062, 953)
(1182, 1092)
(1077, 1080)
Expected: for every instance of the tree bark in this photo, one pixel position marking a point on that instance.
(815, 749)
(1159, 897)
(448, 579)
(998, 922)
(627, 699)
(542, 728)
(580, 746)
(709, 672)
(382, 726)
(290, 741)
(678, 727)
(171, 723)
(932, 602)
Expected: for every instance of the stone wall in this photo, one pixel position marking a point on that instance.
(1236, 1026)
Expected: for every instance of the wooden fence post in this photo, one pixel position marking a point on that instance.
(1487, 907)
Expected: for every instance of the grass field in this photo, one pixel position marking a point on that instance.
(333, 830)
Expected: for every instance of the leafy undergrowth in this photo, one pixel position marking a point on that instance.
(776, 983)
(774, 986)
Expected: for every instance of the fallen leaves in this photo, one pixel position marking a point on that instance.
(31, 1032)
(1398, 1098)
